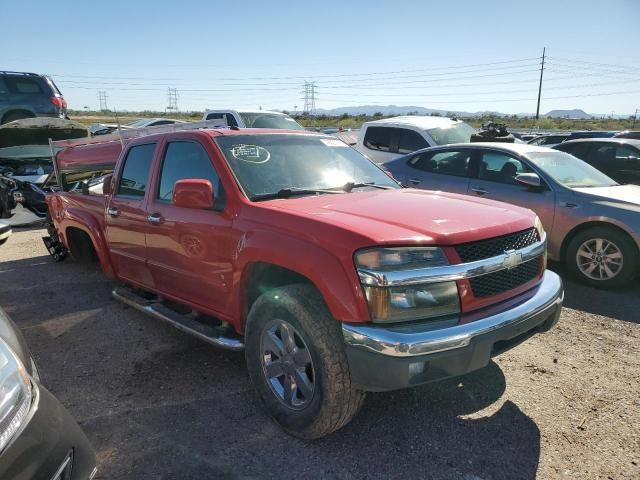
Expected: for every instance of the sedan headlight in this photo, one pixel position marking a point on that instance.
(407, 302)
(16, 394)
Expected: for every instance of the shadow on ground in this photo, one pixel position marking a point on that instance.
(622, 304)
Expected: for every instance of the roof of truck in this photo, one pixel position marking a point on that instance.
(423, 122)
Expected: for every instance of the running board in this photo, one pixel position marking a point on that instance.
(188, 323)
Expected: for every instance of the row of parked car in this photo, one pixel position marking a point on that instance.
(582, 190)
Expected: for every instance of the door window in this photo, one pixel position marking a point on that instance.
(186, 160)
(500, 167)
(603, 154)
(135, 174)
(410, 141)
(230, 119)
(378, 138)
(580, 150)
(624, 152)
(453, 162)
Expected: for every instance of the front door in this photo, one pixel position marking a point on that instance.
(189, 250)
(126, 219)
(495, 180)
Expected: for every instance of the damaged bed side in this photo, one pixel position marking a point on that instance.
(80, 167)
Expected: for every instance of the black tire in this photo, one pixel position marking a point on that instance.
(624, 244)
(12, 116)
(335, 401)
(3, 241)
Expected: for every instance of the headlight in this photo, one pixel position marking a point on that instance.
(15, 395)
(407, 302)
(386, 259)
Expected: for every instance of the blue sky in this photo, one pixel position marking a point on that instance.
(459, 55)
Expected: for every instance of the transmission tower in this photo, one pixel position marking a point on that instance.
(102, 98)
(309, 92)
(172, 94)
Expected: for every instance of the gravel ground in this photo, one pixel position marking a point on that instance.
(158, 404)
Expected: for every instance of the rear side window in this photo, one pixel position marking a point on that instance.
(603, 154)
(410, 141)
(135, 174)
(580, 150)
(22, 85)
(378, 138)
(185, 160)
(455, 163)
(231, 121)
(625, 151)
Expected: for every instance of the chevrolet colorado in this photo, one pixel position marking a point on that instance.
(290, 245)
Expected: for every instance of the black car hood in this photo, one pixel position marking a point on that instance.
(11, 335)
(38, 131)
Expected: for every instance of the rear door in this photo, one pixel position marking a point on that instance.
(446, 170)
(189, 250)
(126, 219)
(628, 164)
(494, 179)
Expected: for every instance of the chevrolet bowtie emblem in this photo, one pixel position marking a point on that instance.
(511, 259)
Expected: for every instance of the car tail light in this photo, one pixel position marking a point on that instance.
(59, 102)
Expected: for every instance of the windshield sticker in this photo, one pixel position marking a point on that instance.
(330, 142)
(250, 153)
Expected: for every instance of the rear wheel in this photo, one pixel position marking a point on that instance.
(602, 257)
(297, 363)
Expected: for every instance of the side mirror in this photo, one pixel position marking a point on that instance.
(531, 180)
(193, 193)
(106, 185)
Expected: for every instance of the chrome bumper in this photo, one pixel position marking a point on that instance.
(401, 341)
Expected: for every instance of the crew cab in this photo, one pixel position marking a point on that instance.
(291, 245)
(253, 119)
(389, 138)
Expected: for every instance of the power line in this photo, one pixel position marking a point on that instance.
(309, 91)
(102, 98)
(172, 94)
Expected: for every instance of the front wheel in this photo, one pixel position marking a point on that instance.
(297, 363)
(602, 257)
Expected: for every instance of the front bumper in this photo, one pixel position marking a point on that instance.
(398, 356)
(49, 444)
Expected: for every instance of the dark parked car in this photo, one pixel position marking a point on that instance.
(591, 134)
(619, 158)
(39, 440)
(593, 224)
(26, 95)
(634, 134)
(549, 140)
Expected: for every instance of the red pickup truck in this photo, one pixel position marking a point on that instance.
(290, 245)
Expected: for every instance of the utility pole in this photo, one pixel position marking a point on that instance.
(172, 94)
(540, 86)
(102, 98)
(309, 91)
(635, 118)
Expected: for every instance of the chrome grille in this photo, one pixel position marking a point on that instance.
(493, 247)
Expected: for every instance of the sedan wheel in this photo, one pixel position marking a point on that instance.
(600, 259)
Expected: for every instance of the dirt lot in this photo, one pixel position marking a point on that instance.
(158, 404)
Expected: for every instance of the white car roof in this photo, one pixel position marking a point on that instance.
(423, 122)
(245, 111)
(522, 148)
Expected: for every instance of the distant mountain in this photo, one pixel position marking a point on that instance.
(575, 113)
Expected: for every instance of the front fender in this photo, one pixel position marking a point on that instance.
(334, 277)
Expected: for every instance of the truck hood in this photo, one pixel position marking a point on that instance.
(409, 216)
(620, 193)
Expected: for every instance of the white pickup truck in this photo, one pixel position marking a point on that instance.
(382, 140)
(253, 119)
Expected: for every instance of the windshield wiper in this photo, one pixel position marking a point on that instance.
(351, 185)
(290, 192)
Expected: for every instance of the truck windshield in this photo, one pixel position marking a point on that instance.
(269, 120)
(457, 133)
(272, 163)
(569, 171)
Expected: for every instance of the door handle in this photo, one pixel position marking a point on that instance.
(113, 211)
(414, 181)
(154, 218)
(480, 190)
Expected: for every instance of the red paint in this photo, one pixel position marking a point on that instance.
(204, 258)
(193, 193)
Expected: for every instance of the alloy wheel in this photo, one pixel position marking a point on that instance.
(287, 364)
(599, 259)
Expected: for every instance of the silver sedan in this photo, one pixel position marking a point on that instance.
(593, 223)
